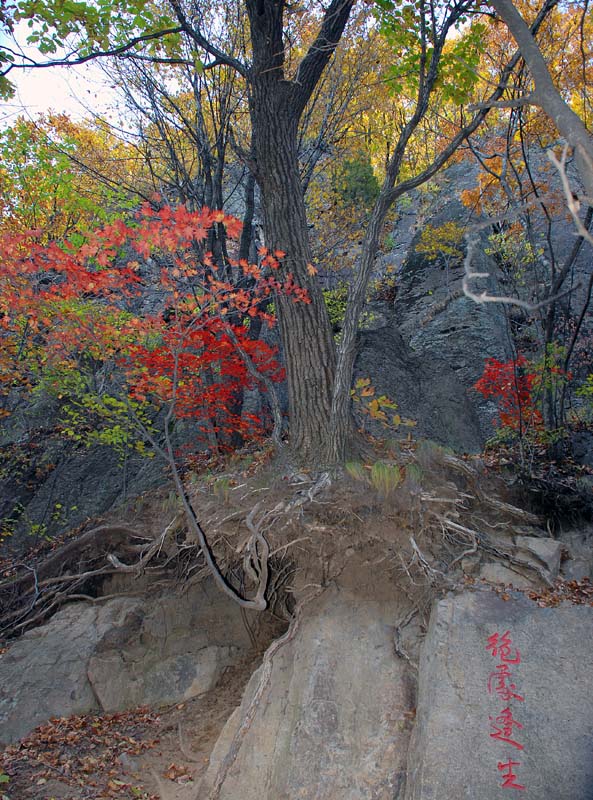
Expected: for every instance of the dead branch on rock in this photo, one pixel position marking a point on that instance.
(484, 297)
(42, 588)
(321, 483)
(96, 540)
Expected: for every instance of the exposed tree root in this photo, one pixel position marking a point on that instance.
(249, 716)
(40, 588)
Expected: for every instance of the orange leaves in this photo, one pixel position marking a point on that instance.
(377, 407)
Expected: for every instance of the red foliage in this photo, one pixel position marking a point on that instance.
(510, 384)
(61, 304)
(203, 372)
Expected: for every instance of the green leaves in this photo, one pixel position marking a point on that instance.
(85, 28)
(402, 24)
(92, 418)
(458, 72)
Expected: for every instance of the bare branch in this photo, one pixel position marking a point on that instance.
(322, 49)
(483, 297)
(263, 379)
(546, 94)
(220, 57)
(572, 201)
(122, 51)
(518, 102)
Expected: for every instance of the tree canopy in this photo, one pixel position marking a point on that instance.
(255, 103)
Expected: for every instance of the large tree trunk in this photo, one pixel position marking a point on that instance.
(276, 105)
(305, 329)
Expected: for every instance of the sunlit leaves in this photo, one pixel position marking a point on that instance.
(442, 241)
(48, 177)
(410, 31)
(72, 325)
(459, 66)
(59, 28)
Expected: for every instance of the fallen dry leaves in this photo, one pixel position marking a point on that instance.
(579, 593)
(83, 751)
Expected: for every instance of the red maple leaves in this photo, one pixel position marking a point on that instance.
(62, 307)
(510, 384)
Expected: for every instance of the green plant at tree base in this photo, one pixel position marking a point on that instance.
(383, 477)
(222, 488)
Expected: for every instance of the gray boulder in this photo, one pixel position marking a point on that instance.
(119, 654)
(470, 741)
(332, 720)
(496, 573)
(579, 543)
(44, 674)
(541, 551)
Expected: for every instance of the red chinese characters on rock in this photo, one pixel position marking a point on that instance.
(505, 727)
(509, 777)
(501, 684)
(501, 646)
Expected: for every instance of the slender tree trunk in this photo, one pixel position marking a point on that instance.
(546, 96)
(341, 400)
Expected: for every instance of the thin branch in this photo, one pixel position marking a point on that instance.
(518, 102)
(484, 297)
(572, 201)
(320, 52)
(265, 380)
(123, 50)
(220, 56)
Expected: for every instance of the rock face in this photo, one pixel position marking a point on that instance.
(44, 674)
(548, 552)
(331, 722)
(427, 349)
(579, 543)
(441, 324)
(48, 485)
(470, 742)
(120, 654)
(426, 390)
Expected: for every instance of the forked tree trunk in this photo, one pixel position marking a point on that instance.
(276, 106)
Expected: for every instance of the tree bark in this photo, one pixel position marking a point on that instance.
(276, 105)
(305, 329)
